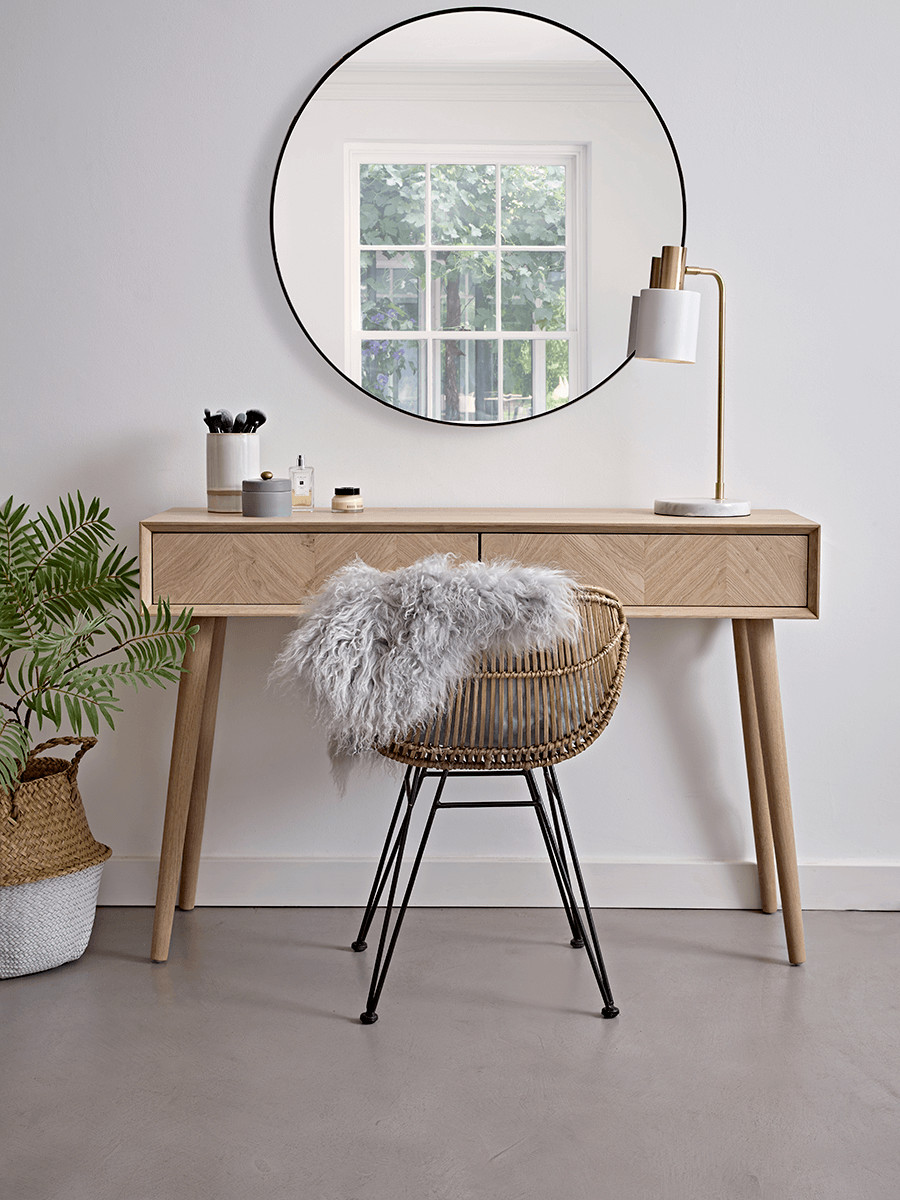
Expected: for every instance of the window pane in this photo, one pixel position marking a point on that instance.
(468, 380)
(533, 290)
(390, 285)
(466, 289)
(557, 373)
(463, 204)
(533, 205)
(390, 370)
(518, 390)
(391, 204)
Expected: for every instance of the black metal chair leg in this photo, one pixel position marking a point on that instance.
(379, 971)
(592, 946)
(384, 863)
(560, 845)
(576, 939)
(395, 863)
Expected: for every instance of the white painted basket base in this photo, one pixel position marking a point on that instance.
(48, 923)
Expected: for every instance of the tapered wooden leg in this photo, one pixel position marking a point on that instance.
(190, 861)
(759, 802)
(188, 717)
(764, 670)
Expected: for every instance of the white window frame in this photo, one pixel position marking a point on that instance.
(574, 157)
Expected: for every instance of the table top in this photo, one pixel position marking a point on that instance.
(500, 520)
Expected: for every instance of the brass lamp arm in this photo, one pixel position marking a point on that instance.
(720, 420)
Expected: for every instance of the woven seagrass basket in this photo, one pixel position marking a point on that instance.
(50, 865)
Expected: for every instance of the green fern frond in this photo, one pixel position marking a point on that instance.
(71, 629)
(146, 650)
(140, 630)
(150, 642)
(79, 530)
(18, 549)
(19, 622)
(18, 554)
(90, 585)
(135, 673)
(58, 647)
(84, 694)
(15, 742)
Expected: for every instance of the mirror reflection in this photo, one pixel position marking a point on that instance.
(463, 209)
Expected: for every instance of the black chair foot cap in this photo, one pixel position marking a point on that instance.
(368, 1018)
(578, 943)
(610, 1011)
(358, 946)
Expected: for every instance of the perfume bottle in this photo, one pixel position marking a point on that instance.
(301, 487)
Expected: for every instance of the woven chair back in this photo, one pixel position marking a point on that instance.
(530, 710)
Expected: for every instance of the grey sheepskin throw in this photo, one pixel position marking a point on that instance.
(379, 653)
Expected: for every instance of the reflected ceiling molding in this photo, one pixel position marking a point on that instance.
(544, 82)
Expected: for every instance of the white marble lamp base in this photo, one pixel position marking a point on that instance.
(702, 508)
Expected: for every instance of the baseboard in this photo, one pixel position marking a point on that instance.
(509, 883)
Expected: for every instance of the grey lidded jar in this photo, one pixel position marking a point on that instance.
(266, 497)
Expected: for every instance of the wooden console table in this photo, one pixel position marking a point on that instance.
(750, 569)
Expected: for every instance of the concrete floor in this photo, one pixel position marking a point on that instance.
(239, 1069)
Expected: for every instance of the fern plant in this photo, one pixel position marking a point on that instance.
(71, 629)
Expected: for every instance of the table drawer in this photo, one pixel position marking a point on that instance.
(672, 569)
(280, 568)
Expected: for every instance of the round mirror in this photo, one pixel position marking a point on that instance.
(463, 208)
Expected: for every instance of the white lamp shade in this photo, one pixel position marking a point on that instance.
(667, 325)
(633, 324)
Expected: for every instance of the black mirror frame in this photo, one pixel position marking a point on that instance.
(389, 29)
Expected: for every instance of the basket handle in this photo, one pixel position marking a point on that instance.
(84, 742)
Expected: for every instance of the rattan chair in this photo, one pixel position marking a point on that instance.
(515, 716)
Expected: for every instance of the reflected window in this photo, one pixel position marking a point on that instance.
(467, 279)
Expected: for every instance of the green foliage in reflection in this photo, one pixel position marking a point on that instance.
(533, 288)
(533, 205)
(392, 204)
(389, 369)
(468, 369)
(391, 285)
(463, 203)
(464, 213)
(517, 380)
(557, 367)
(517, 368)
(468, 291)
(532, 282)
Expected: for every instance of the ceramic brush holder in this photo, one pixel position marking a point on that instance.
(230, 459)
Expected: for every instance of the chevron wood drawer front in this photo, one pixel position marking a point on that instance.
(674, 571)
(228, 569)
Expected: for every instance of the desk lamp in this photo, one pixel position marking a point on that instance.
(664, 324)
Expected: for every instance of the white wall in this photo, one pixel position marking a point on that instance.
(138, 143)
